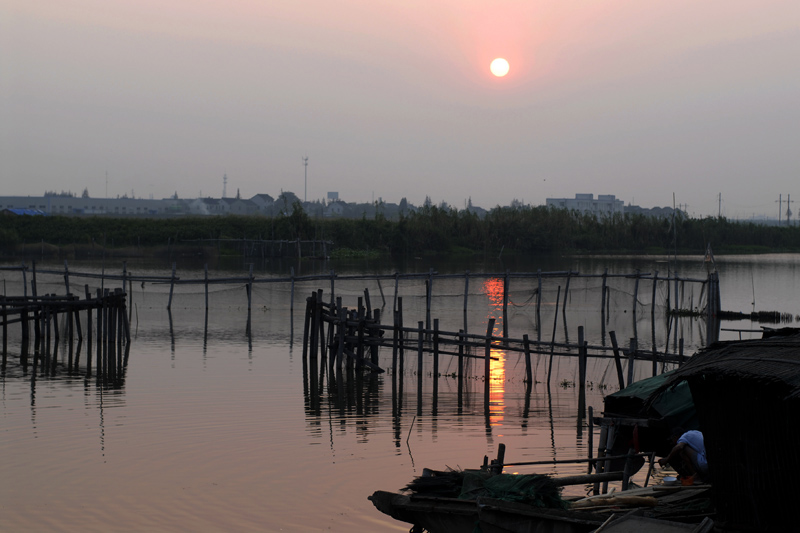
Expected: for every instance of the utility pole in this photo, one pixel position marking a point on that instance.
(305, 179)
(780, 208)
(719, 213)
(788, 210)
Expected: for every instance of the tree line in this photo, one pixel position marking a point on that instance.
(431, 229)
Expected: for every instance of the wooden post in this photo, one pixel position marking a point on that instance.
(653, 303)
(591, 438)
(527, 346)
(360, 347)
(566, 295)
(505, 307)
(333, 292)
(171, 286)
(420, 325)
(680, 352)
(111, 368)
(429, 294)
(553, 338)
(581, 374)
(66, 276)
(367, 303)
(539, 305)
(435, 357)
(88, 331)
(603, 292)
(677, 302)
(627, 470)
(70, 333)
(497, 467)
(635, 292)
(33, 280)
(5, 333)
(631, 358)
(307, 325)
(291, 293)
(395, 339)
(466, 297)
(396, 288)
(24, 280)
(380, 289)
(487, 370)
(205, 279)
(617, 360)
(314, 328)
(46, 313)
(342, 332)
(250, 290)
(401, 344)
(461, 341)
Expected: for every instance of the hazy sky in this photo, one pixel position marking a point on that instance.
(394, 98)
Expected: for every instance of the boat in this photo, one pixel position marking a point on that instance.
(491, 502)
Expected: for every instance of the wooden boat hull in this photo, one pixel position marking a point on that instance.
(451, 515)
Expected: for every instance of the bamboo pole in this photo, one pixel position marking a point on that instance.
(617, 360)
(528, 371)
(66, 276)
(555, 326)
(435, 356)
(505, 305)
(487, 369)
(466, 297)
(171, 286)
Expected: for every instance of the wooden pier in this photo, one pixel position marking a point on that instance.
(335, 336)
(49, 316)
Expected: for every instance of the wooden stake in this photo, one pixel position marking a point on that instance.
(617, 360)
(171, 286)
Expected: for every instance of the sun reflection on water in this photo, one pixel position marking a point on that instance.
(493, 288)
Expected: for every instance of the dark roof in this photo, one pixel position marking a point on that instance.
(766, 362)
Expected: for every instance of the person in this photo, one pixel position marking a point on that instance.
(690, 451)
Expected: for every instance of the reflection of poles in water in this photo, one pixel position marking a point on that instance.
(291, 308)
(171, 333)
(527, 407)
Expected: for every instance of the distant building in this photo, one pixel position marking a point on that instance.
(605, 204)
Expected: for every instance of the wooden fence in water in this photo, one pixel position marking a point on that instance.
(451, 341)
(50, 314)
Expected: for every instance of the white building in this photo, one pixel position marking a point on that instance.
(605, 204)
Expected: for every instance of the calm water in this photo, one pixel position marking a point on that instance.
(217, 431)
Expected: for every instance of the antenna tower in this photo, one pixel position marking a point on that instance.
(224, 185)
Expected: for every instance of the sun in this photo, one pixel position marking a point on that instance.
(499, 67)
